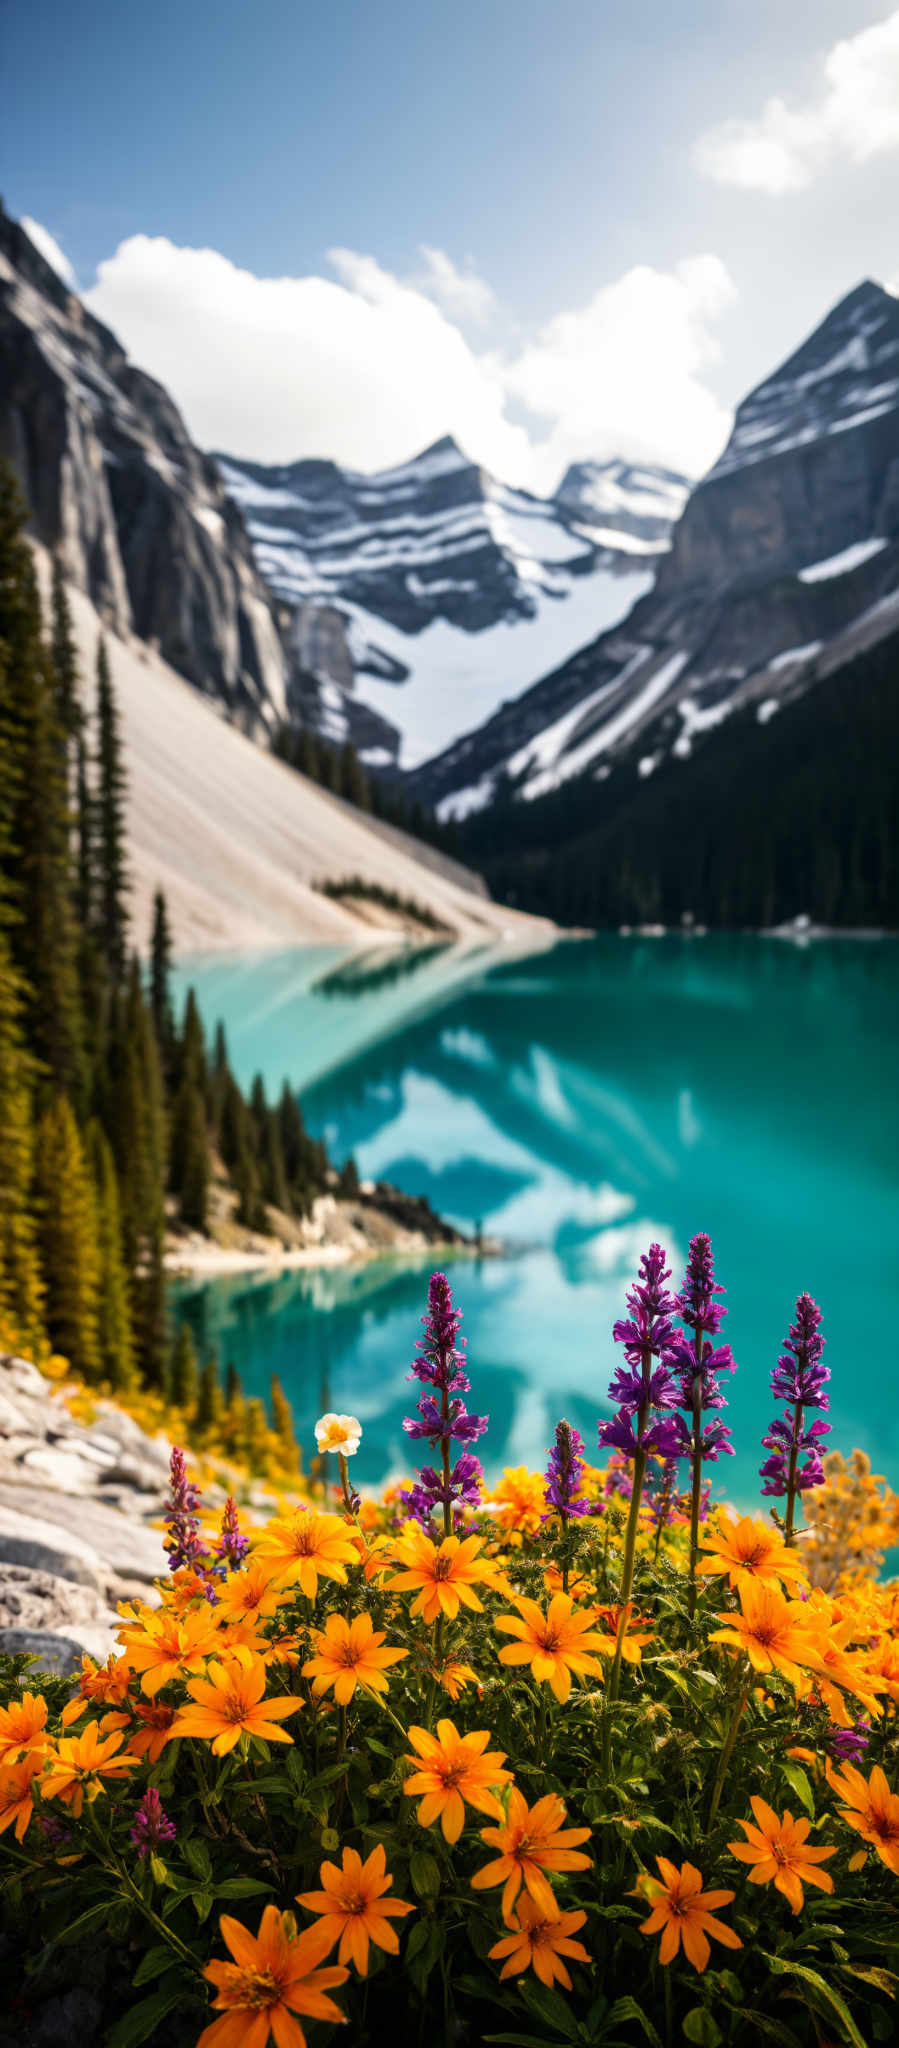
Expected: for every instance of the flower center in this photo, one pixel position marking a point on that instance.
(259, 1990)
(349, 1657)
(353, 1902)
(233, 1707)
(443, 1567)
(550, 1641)
(779, 1853)
(452, 1775)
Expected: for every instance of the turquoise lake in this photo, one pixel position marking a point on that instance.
(578, 1103)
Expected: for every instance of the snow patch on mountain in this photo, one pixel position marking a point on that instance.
(841, 564)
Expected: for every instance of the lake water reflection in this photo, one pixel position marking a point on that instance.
(577, 1104)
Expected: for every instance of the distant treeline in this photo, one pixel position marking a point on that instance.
(339, 769)
(762, 823)
(110, 1109)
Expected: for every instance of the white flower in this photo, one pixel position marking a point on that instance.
(338, 1433)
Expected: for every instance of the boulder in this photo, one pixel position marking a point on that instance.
(59, 1655)
(119, 1544)
(41, 1544)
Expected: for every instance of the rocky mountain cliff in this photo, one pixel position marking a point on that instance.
(436, 591)
(113, 479)
(784, 564)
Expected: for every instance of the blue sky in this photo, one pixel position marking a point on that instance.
(583, 161)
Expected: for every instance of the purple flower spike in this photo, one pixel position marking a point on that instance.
(232, 1546)
(564, 1475)
(186, 1550)
(151, 1827)
(799, 1378)
(441, 1421)
(639, 1388)
(848, 1745)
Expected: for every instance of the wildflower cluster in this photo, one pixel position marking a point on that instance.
(596, 1759)
(799, 1378)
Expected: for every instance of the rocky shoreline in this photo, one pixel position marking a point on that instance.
(81, 1528)
(379, 1220)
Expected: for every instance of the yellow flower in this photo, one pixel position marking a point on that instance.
(16, 1802)
(531, 1840)
(554, 1644)
(767, 1631)
(445, 1576)
(750, 1550)
(454, 1677)
(870, 1807)
(683, 1912)
(80, 1764)
(518, 1502)
(454, 1768)
(163, 1645)
(635, 1635)
(348, 1654)
(539, 1943)
(23, 1727)
(274, 1975)
(780, 1854)
(250, 1595)
(305, 1548)
(352, 1908)
(230, 1702)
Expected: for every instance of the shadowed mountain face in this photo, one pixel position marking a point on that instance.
(783, 566)
(454, 590)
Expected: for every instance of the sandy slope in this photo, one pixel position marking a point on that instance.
(236, 839)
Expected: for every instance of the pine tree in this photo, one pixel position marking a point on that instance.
(85, 889)
(112, 916)
(68, 1241)
(113, 1306)
(209, 1408)
(160, 973)
(282, 1426)
(191, 1059)
(235, 1421)
(21, 1290)
(65, 662)
(190, 1155)
(348, 1182)
(353, 784)
(257, 1437)
(274, 1183)
(306, 755)
(35, 878)
(183, 1379)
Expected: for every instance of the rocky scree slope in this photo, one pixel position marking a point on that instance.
(432, 591)
(783, 567)
(114, 481)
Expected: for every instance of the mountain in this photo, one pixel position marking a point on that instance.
(432, 592)
(113, 479)
(783, 565)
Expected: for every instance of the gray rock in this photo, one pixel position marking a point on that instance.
(124, 1545)
(43, 1544)
(63, 1468)
(40, 1600)
(56, 1654)
(24, 1377)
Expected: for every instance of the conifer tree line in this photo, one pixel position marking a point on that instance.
(111, 1109)
(221, 1416)
(339, 769)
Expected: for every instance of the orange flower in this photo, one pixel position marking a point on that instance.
(455, 1768)
(778, 1851)
(682, 1912)
(250, 1595)
(636, 1633)
(306, 1548)
(16, 1802)
(80, 1762)
(352, 1907)
(445, 1576)
(163, 1646)
(454, 1677)
(106, 1684)
(530, 1842)
(540, 1943)
(23, 1726)
(871, 1808)
(229, 1702)
(150, 1739)
(274, 1975)
(766, 1630)
(750, 1552)
(348, 1654)
(554, 1644)
(518, 1503)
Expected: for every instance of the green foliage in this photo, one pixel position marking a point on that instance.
(69, 1240)
(112, 916)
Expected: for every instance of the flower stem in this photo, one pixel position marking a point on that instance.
(791, 1475)
(696, 1480)
(627, 1573)
(727, 1750)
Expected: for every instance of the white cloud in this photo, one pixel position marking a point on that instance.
(48, 247)
(461, 292)
(368, 370)
(621, 374)
(854, 117)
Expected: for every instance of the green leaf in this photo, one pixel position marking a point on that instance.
(91, 1918)
(202, 1904)
(796, 1776)
(524, 2040)
(197, 1855)
(152, 1964)
(138, 2024)
(700, 2027)
(823, 1992)
(241, 1887)
(882, 1979)
(628, 2009)
(159, 1870)
(424, 1871)
(774, 2030)
(548, 2006)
